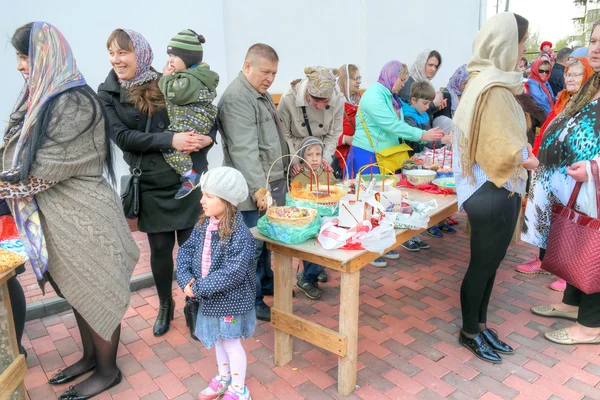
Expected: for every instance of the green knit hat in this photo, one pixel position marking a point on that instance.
(187, 45)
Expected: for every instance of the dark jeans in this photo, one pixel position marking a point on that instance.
(493, 216)
(311, 271)
(589, 306)
(262, 258)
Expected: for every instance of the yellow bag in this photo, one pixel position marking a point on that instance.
(391, 158)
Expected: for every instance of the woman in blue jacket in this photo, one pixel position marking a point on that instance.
(380, 116)
(539, 88)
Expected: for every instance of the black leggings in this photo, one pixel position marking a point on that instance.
(19, 308)
(161, 258)
(493, 216)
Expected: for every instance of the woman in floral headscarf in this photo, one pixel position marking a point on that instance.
(456, 85)
(135, 110)
(56, 149)
(312, 106)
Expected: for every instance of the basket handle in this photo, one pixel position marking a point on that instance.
(360, 176)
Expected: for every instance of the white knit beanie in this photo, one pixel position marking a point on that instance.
(226, 183)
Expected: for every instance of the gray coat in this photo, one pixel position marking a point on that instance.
(252, 138)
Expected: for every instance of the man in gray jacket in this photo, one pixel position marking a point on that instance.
(252, 141)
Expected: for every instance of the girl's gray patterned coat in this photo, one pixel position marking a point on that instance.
(230, 286)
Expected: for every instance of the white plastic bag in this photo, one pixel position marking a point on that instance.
(361, 236)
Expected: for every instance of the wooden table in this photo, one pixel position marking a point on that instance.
(344, 343)
(13, 367)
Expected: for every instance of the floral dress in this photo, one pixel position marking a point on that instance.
(565, 142)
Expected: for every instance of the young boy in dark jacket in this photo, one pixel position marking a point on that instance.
(189, 87)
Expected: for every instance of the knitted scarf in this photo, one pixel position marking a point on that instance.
(143, 58)
(417, 69)
(491, 124)
(387, 77)
(457, 80)
(344, 84)
(52, 71)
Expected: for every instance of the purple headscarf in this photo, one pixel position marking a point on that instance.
(459, 78)
(387, 77)
(143, 58)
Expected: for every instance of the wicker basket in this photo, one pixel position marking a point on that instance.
(273, 217)
(9, 260)
(420, 176)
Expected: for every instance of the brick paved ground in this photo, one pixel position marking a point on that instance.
(409, 317)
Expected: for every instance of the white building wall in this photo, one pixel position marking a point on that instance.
(305, 32)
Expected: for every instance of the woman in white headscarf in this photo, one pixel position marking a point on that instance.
(491, 155)
(424, 69)
(349, 81)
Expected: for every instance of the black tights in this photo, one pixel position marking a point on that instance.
(96, 352)
(19, 308)
(161, 258)
(493, 217)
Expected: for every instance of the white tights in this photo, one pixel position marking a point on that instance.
(231, 360)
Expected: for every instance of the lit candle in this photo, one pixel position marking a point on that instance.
(328, 190)
(311, 181)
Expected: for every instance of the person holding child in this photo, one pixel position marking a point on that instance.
(189, 87)
(216, 266)
(136, 113)
(311, 151)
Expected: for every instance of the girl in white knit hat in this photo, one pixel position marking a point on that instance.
(216, 266)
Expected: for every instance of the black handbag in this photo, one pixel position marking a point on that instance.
(130, 186)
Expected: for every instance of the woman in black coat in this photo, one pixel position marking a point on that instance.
(130, 95)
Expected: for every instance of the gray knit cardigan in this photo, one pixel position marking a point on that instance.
(91, 253)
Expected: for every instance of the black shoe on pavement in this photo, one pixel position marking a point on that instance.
(479, 347)
(263, 312)
(491, 337)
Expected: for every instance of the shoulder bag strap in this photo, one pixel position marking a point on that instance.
(137, 170)
(362, 121)
(595, 171)
(353, 123)
(306, 121)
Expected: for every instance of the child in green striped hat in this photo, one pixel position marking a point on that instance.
(189, 87)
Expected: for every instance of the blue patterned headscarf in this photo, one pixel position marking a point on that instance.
(458, 78)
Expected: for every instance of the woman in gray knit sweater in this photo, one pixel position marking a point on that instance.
(70, 220)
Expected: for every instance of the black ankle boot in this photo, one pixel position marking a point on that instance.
(166, 310)
(191, 313)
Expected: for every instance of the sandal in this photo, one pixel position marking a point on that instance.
(561, 337)
(551, 312)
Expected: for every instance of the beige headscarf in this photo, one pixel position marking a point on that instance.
(492, 126)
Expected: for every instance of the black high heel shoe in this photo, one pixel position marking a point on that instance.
(60, 377)
(479, 347)
(71, 393)
(491, 337)
(166, 311)
(191, 314)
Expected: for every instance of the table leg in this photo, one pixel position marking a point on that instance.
(349, 285)
(283, 277)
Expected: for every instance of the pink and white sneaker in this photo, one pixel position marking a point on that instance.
(532, 267)
(560, 285)
(231, 394)
(214, 390)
